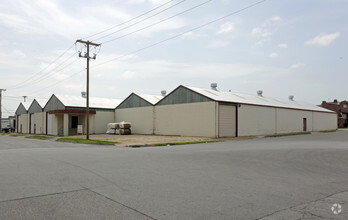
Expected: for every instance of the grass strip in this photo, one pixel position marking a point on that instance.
(85, 141)
(17, 135)
(6, 133)
(40, 137)
(328, 131)
(184, 143)
(288, 134)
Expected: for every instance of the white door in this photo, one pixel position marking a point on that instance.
(227, 121)
(32, 122)
(49, 124)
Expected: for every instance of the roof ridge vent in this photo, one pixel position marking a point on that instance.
(84, 94)
(213, 86)
(259, 92)
(291, 97)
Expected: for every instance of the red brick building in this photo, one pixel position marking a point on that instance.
(341, 108)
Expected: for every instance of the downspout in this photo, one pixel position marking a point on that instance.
(237, 106)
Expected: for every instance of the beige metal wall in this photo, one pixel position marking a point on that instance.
(142, 118)
(99, 121)
(40, 122)
(193, 119)
(256, 120)
(24, 122)
(324, 121)
(290, 120)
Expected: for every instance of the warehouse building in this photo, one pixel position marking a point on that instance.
(341, 109)
(193, 111)
(140, 111)
(66, 115)
(37, 118)
(22, 118)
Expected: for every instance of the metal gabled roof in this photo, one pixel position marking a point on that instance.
(78, 101)
(222, 96)
(153, 99)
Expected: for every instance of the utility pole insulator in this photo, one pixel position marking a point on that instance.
(86, 55)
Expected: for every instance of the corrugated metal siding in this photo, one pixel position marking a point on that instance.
(35, 107)
(227, 121)
(54, 104)
(133, 101)
(21, 110)
(181, 96)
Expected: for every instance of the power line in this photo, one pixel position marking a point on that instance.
(140, 21)
(128, 20)
(151, 25)
(32, 78)
(55, 83)
(157, 43)
(181, 34)
(37, 73)
(49, 73)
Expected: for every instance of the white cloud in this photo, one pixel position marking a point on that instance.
(262, 42)
(128, 74)
(275, 18)
(273, 55)
(218, 44)
(283, 45)
(268, 27)
(323, 39)
(297, 65)
(226, 28)
(43, 17)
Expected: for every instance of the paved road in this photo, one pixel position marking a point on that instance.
(297, 177)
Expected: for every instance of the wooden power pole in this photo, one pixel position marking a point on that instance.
(86, 55)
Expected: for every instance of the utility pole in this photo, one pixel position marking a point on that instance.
(0, 109)
(86, 55)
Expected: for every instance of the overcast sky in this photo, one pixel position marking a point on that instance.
(293, 47)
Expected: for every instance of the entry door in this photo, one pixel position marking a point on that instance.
(31, 123)
(227, 121)
(49, 124)
(304, 124)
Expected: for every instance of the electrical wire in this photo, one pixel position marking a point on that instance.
(183, 33)
(37, 73)
(140, 21)
(56, 83)
(157, 43)
(151, 25)
(34, 76)
(160, 6)
(49, 73)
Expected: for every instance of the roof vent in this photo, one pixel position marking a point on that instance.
(291, 97)
(335, 101)
(164, 92)
(259, 92)
(84, 94)
(213, 86)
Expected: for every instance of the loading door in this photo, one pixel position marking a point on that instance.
(49, 124)
(227, 120)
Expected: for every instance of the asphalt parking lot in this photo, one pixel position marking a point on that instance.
(297, 177)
